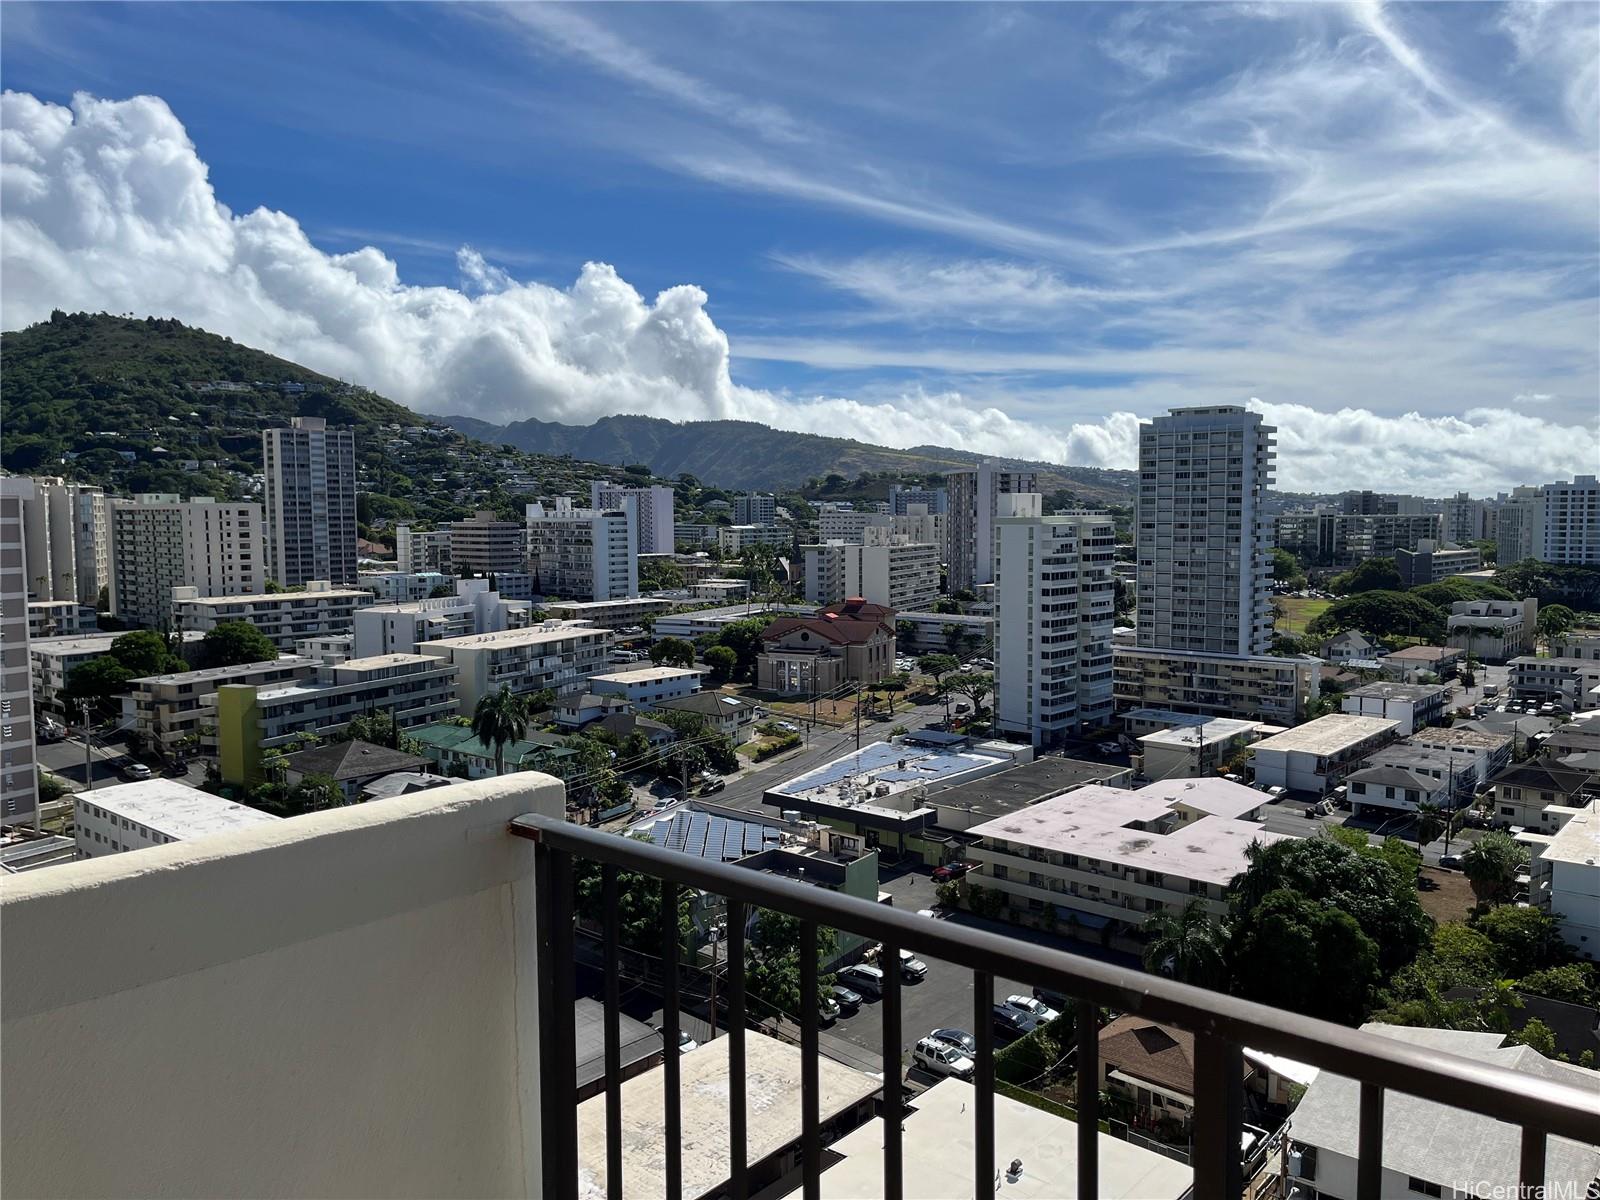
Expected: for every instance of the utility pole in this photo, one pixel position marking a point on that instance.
(858, 714)
(88, 745)
(711, 1012)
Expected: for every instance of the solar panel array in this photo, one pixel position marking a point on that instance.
(705, 835)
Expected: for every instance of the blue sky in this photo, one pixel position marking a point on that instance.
(1014, 229)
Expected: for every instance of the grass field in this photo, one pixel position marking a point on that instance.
(1297, 614)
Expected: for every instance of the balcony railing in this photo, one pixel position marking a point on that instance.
(1222, 1027)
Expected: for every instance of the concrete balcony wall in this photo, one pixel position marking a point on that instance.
(340, 1004)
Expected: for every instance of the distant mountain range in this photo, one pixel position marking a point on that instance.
(744, 454)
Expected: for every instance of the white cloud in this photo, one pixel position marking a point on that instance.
(108, 207)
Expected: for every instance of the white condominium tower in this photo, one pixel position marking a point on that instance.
(310, 502)
(1052, 620)
(582, 553)
(19, 771)
(69, 542)
(649, 507)
(969, 523)
(1202, 538)
(160, 542)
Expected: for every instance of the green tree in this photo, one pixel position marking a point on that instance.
(1429, 823)
(638, 906)
(1536, 1035)
(1369, 575)
(1525, 940)
(1381, 900)
(316, 792)
(230, 643)
(937, 666)
(1491, 865)
(744, 639)
(145, 652)
(96, 682)
(1286, 568)
(380, 729)
(672, 652)
(1306, 956)
(1498, 1006)
(1554, 620)
(976, 686)
(723, 662)
(772, 967)
(1573, 983)
(1380, 614)
(659, 575)
(1187, 945)
(498, 719)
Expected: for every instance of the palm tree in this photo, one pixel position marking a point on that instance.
(1186, 945)
(1430, 823)
(499, 718)
(1491, 864)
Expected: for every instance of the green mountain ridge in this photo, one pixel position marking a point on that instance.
(745, 454)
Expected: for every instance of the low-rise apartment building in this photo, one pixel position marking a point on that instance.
(1102, 855)
(623, 613)
(736, 539)
(691, 625)
(165, 710)
(646, 686)
(1316, 757)
(152, 812)
(1485, 751)
(1250, 687)
(720, 591)
(1410, 705)
(399, 586)
(1394, 788)
(1493, 630)
(1413, 663)
(1581, 643)
(1565, 881)
(1194, 746)
(412, 688)
(61, 618)
(400, 628)
(52, 660)
(961, 634)
(1522, 793)
(283, 617)
(1570, 683)
(1432, 561)
(555, 655)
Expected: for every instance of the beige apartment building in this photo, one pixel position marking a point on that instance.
(284, 617)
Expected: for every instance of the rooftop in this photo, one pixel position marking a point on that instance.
(89, 643)
(1200, 733)
(1460, 735)
(219, 674)
(1424, 653)
(352, 760)
(938, 1144)
(880, 770)
(647, 675)
(174, 808)
(1552, 664)
(446, 735)
(1329, 734)
(772, 1092)
(1433, 1142)
(605, 605)
(1101, 823)
(710, 703)
(1400, 691)
(1019, 786)
(1212, 795)
(534, 635)
(708, 832)
(279, 597)
(1159, 1054)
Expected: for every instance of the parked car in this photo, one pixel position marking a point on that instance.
(712, 785)
(48, 731)
(1034, 1007)
(788, 726)
(827, 1009)
(958, 1038)
(1012, 1022)
(912, 967)
(942, 1058)
(1450, 861)
(847, 1000)
(952, 870)
(136, 771)
(868, 980)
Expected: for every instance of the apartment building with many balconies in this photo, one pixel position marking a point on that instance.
(310, 502)
(414, 689)
(1316, 757)
(417, 550)
(969, 522)
(582, 553)
(1572, 684)
(19, 772)
(1570, 531)
(284, 617)
(401, 628)
(160, 543)
(1343, 539)
(485, 545)
(167, 710)
(1102, 855)
(1054, 607)
(555, 655)
(649, 508)
(1201, 535)
(1258, 687)
(68, 541)
(884, 568)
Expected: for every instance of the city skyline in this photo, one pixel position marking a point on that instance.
(1371, 225)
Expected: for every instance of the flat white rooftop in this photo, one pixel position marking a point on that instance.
(1329, 734)
(223, 674)
(92, 643)
(1578, 841)
(1098, 822)
(378, 662)
(647, 675)
(881, 770)
(603, 605)
(535, 635)
(174, 809)
(1211, 795)
(1200, 733)
(772, 1101)
(937, 1146)
(279, 599)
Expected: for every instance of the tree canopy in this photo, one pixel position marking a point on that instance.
(1381, 613)
(498, 719)
(1306, 956)
(672, 652)
(230, 643)
(1491, 865)
(1369, 575)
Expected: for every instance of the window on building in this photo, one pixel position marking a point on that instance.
(1423, 1187)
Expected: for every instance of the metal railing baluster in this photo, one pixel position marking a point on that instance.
(613, 1007)
(563, 1079)
(1218, 1118)
(1369, 1144)
(1088, 1099)
(738, 1149)
(670, 1035)
(1530, 1169)
(983, 1165)
(893, 1082)
(810, 1101)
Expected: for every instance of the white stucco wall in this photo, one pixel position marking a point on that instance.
(340, 1004)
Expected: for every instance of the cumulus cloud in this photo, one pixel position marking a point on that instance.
(107, 206)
